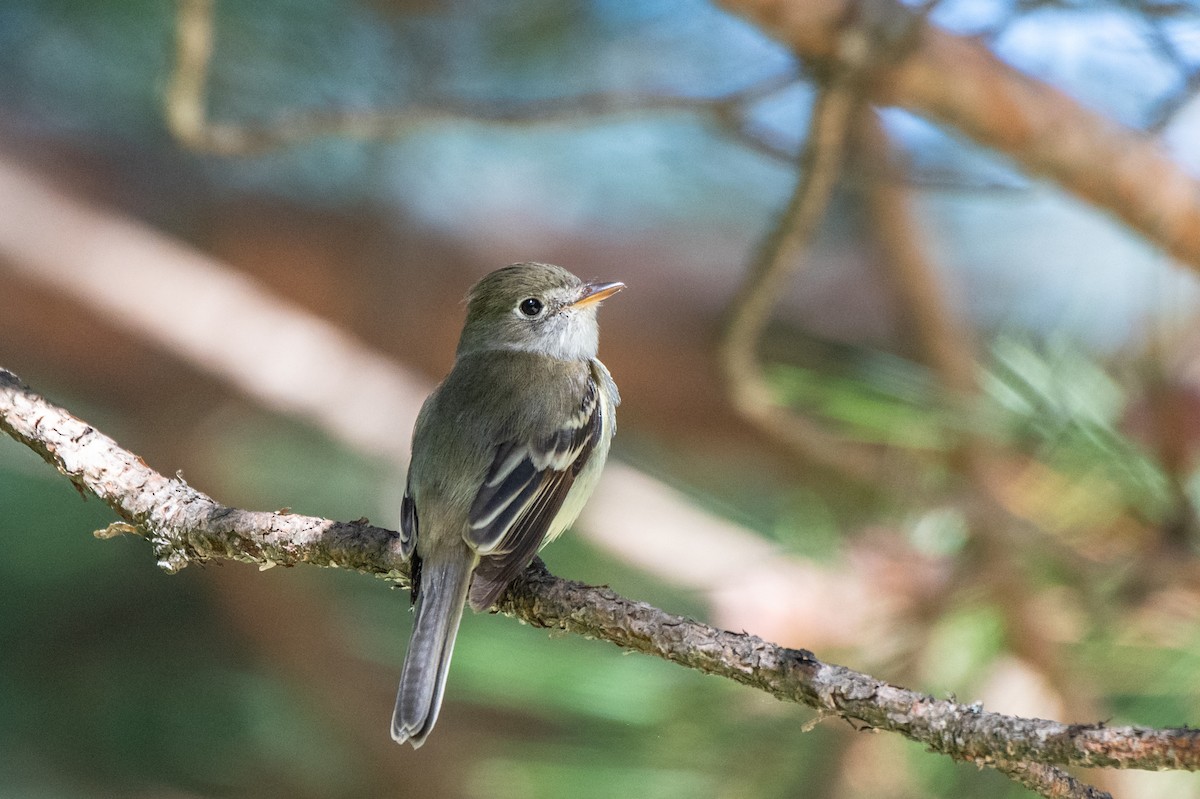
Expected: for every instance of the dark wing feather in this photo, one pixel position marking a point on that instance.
(522, 494)
(512, 483)
(408, 522)
(495, 572)
(408, 539)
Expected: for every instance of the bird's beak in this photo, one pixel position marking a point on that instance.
(595, 292)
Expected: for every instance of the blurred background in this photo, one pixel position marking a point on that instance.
(235, 237)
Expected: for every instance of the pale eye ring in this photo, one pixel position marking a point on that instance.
(530, 306)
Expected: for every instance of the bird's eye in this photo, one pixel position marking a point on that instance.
(531, 306)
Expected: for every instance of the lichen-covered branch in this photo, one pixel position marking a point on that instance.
(185, 525)
(965, 732)
(182, 523)
(1050, 781)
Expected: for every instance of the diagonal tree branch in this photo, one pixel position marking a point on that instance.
(865, 47)
(956, 80)
(184, 525)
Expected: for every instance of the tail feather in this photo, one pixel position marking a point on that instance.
(443, 592)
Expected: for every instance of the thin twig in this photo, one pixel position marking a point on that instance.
(862, 47)
(1049, 781)
(186, 109)
(748, 314)
(778, 261)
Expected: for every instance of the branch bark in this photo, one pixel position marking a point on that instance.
(185, 525)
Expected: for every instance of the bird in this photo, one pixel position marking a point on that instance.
(505, 453)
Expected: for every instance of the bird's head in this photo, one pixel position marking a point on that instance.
(535, 308)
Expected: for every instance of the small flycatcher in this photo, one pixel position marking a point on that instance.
(505, 453)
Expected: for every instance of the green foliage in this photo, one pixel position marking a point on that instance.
(962, 644)
(1056, 402)
(1063, 406)
(877, 399)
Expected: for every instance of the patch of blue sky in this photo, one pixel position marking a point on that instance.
(935, 155)
(972, 17)
(619, 178)
(784, 116)
(1042, 261)
(547, 50)
(1181, 136)
(1183, 32)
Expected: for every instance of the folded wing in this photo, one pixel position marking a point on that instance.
(522, 495)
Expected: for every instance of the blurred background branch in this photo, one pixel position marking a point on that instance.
(1047, 132)
(187, 116)
(779, 258)
(864, 48)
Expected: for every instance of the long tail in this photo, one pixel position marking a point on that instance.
(443, 592)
